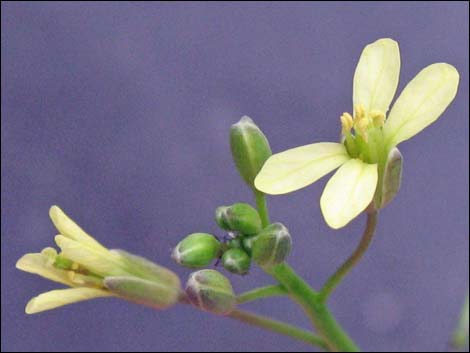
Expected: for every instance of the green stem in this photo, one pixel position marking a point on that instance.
(278, 327)
(349, 264)
(460, 337)
(270, 325)
(262, 292)
(262, 208)
(336, 338)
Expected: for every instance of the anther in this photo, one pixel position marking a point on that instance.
(361, 127)
(346, 123)
(359, 112)
(378, 118)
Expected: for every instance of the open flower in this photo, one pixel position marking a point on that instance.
(93, 271)
(368, 137)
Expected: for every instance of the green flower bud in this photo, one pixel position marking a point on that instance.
(236, 261)
(159, 295)
(392, 176)
(235, 243)
(250, 149)
(220, 218)
(211, 291)
(196, 250)
(240, 217)
(272, 245)
(247, 243)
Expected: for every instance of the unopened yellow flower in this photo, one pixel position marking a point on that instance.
(93, 271)
(368, 136)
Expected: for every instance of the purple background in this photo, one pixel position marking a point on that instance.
(119, 113)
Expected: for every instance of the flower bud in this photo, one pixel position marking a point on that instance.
(392, 176)
(158, 295)
(220, 218)
(196, 250)
(211, 291)
(240, 217)
(236, 261)
(272, 245)
(250, 149)
(247, 243)
(235, 243)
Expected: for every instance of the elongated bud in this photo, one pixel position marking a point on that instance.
(236, 261)
(250, 149)
(272, 245)
(240, 217)
(392, 176)
(211, 291)
(146, 269)
(196, 250)
(159, 295)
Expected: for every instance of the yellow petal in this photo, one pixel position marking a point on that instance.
(103, 263)
(56, 298)
(70, 229)
(298, 167)
(41, 265)
(348, 192)
(376, 76)
(422, 101)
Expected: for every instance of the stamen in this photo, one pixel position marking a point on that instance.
(378, 118)
(346, 123)
(359, 111)
(361, 127)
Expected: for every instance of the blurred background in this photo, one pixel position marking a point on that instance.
(120, 112)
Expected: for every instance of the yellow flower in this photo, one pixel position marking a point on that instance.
(93, 271)
(368, 137)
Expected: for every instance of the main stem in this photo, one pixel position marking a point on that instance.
(336, 338)
(278, 327)
(349, 264)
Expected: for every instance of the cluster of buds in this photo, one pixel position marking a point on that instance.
(245, 240)
(208, 289)
(93, 271)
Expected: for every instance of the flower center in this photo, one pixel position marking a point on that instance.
(76, 273)
(363, 133)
